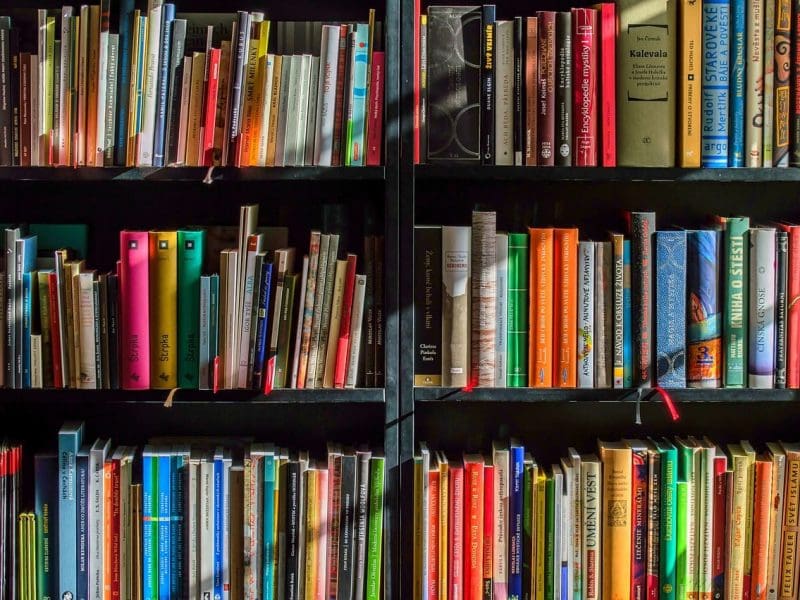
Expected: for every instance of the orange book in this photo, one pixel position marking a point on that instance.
(434, 477)
(761, 528)
(617, 531)
(540, 367)
(473, 527)
(565, 307)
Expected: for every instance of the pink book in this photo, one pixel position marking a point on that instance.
(343, 345)
(322, 546)
(134, 308)
(207, 156)
(455, 572)
(584, 101)
(375, 128)
(607, 84)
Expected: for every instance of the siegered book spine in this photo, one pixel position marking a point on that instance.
(782, 74)
(715, 90)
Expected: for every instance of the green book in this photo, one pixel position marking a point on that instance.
(518, 267)
(668, 529)
(734, 325)
(44, 327)
(682, 546)
(550, 541)
(527, 523)
(285, 330)
(375, 535)
(191, 245)
(688, 473)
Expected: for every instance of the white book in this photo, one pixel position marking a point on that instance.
(102, 86)
(35, 111)
(591, 541)
(754, 86)
(326, 95)
(266, 105)
(64, 102)
(41, 78)
(149, 101)
(558, 535)
(356, 318)
(205, 323)
(705, 504)
(319, 294)
(575, 534)
(761, 356)
(36, 361)
(247, 308)
(301, 116)
(97, 459)
(192, 527)
(502, 472)
(501, 306)
(88, 368)
(206, 550)
(83, 96)
(292, 106)
(567, 527)
(504, 93)
(311, 117)
(585, 341)
(298, 335)
(456, 292)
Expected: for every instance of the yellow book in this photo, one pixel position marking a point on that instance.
(163, 309)
(539, 517)
(258, 95)
(617, 486)
(689, 116)
(311, 534)
(130, 151)
(195, 110)
(444, 515)
(739, 491)
(272, 136)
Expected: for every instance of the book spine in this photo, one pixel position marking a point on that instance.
(642, 229)
(416, 95)
(502, 524)
(68, 443)
(262, 326)
(353, 359)
(237, 82)
(704, 334)
(604, 310)
(617, 245)
(668, 523)
(326, 100)
(586, 315)
(715, 86)
(473, 532)
(501, 306)
(617, 536)
(504, 93)
(515, 513)
(565, 307)
(639, 525)
(705, 528)
(754, 106)
(162, 85)
(719, 529)
(591, 531)
(455, 306)
(584, 22)
(134, 300)
(164, 311)
(111, 100)
(607, 87)
(344, 342)
(761, 355)
(769, 82)
(149, 525)
(355, 126)
(83, 534)
(782, 72)
(565, 81)
(541, 309)
(428, 306)
(781, 284)
(519, 90)
(149, 90)
(24, 109)
(738, 51)
(739, 490)
(376, 101)
(484, 295)
(734, 327)
(531, 95)
(165, 548)
(654, 494)
(545, 126)
(488, 90)
(488, 533)
(191, 249)
(125, 52)
(518, 268)
(551, 576)
(762, 496)
(670, 328)
(217, 549)
(212, 91)
(46, 499)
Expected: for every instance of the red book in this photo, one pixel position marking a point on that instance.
(718, 532)
(639, 523)
(209, 123)
(546, 116)
(55, 330)
(116, 527)
(338, 111)
(375, 127)
(531, 84)
(584, 86)
(343, 345)
(134, 308)
(473, 527)
(417, 13)
(433, 534)
(793, 308)
(455, 526)
(607, 84)
(334, 525)
(488, 530)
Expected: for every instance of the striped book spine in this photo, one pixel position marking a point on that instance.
(715, 88)
(484, 293)
(517, 310)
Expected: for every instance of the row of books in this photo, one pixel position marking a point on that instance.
(639, 519)
(191, 519)
(630, 83)
(157, 321)
(672, 308)
(195, 89)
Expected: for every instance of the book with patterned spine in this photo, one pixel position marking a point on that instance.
(670, 327)
(586, 317)
(484, 298)
(704, 331)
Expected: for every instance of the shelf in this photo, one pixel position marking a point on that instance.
(600, 175)
(531, 395)
(191, 174)
(194, 397)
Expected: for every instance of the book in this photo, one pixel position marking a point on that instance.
(565, 78)
(531, 89)
(642, 228)
(670, 325)
(540, 354)
(488, 91)
(585, 25)
(518, 261)
(738, 85)
(781, 284)
(755, 85)
(70, 438)
(604, 314)
(761, 354)
(690, 15)
(586, 316)
(191, 248)
(546, 60)
(704, 334)
(616, 494)
(483, 279)
(163, 273)
(504, 93)
(428, 306)
(134, 298)
(734, 326)
(501, 312)
(565, 307)
(715, 86)
(782, 71)
(455, 306)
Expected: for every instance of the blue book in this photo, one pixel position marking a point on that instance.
(262, 325)
(517, 465)
(704, 310)
(165, 467)
(84, 476)
(162, 90)
(627, 317)
(358, 99)
(70, 438)
(218, 520)
(26, 249)
(178, 461)
(716, 83)
(45, 469)
(670, 254)
(149, 523)
(27, 311)
(126, 8)
(270, 476)
(737, 60)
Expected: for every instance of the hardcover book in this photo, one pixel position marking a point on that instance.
(586, 47)
(691, 28)
(565, 80)
(586, 317)
(735, 313)
(782, 74)
(518, 310)
(704, 331)
(455, 306)
(761, 355)
(617, 535)
(754, 105)
(483, 297)
(134, 303)
(670, 328)
(642, 226)
(565, 317)
(504, 93)
(715, 88)
(546, 117)
(738, 50)
(488, 93)
(540, 354)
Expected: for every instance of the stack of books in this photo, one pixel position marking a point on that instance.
(629, 83)
(196, 89)
(639, 519)
(157, 321)
(190, 519)
(703, 308)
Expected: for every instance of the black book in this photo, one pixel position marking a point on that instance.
(487, 84)
(293, 500)
(454, 83)
(564, 89)
(427, 306)
(782, 262)
(519, 90)
(379, 313)
(5, 92)
(13, 98)
(643, 226)
(112, 294)
(347, 504)
(362, 519)
(175, 99)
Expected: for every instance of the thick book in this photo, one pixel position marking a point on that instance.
(134, 303)
(736, 289)
(586, 317)
(755, 89)
(540, 350)
(518, 270)
(617, 535)
(670, 318)
(483, 280)
(565, 307)
(715, 83)
(590, 506)
(488, 91)
(738, 58)
(454, 58)
(647, 33)
(545, 92)
(642, 228)
(428, 306)
(163, 272)
(455, 306)
(504, 93)
(586, 50)
(531, 89)
(191, 247)
(473, 527)
(781, 286)
(565, 82)
(761, 354)
(703, 329)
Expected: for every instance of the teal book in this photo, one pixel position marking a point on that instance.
(150, 523)
(70, 438)
(165, 466)
(735, 286)
(738, 52)
(213, 326)
(46, 500)
(268, 574)
(518, 270)
(377, 466)
(358, 97)
(191, 247)
(668, 515)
